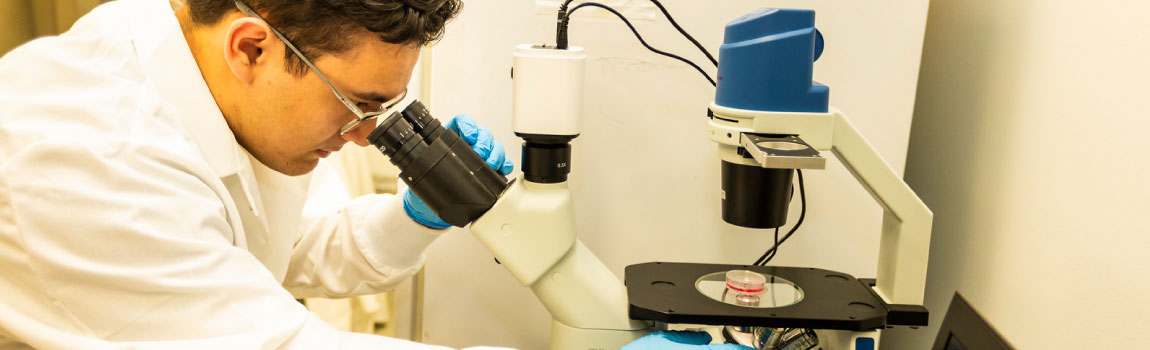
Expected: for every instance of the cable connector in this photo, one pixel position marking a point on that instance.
(561, 27)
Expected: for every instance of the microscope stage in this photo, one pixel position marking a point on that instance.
(798, 297)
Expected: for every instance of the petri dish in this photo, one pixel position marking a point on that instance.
(776, 291)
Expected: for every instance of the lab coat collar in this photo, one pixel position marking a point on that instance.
(172, 71)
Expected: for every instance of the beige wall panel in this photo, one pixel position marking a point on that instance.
(1029, 142)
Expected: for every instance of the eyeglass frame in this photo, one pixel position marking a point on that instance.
(386, 108)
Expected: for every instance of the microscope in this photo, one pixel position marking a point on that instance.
(769, 119)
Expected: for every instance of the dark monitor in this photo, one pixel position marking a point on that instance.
(964, 329)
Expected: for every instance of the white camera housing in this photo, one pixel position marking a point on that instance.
(547, 90)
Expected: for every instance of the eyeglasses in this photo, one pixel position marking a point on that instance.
(365, 114)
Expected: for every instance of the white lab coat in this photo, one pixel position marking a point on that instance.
(130, 217)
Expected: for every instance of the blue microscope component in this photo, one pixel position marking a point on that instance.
(766, 63)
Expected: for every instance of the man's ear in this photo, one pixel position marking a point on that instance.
(247, 46)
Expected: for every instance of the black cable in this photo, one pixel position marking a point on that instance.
(802, 215)
(770, 254)
(667, 14)
(567, 19)
(684, 32)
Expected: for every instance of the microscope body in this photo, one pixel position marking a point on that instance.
(766, 93)
(770, 118)
(527, 224)
(532, 231)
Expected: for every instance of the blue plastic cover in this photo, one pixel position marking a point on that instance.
(766, 63)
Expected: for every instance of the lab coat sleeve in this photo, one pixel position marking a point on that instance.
(368, 245)
(119, 245)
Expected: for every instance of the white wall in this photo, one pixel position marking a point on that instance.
(645, 177)
(1030, 144)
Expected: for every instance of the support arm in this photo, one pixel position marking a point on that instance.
(905, 244)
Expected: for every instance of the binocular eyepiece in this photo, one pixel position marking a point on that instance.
(438, 165)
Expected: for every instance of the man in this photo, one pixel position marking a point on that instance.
(154, 165)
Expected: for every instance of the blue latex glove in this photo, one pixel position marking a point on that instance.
(680, 340)
(483, 142)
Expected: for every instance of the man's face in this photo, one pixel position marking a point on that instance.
(295, 121)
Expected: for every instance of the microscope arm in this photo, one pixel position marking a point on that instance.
(531, 231)
(906, 223)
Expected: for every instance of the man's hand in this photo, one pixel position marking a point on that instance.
(483, 142)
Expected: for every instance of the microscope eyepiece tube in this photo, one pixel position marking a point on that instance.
(421, 120)
(433, 131)
(438, 165)
(397, 140)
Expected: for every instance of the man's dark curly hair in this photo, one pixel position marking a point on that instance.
(319, 27)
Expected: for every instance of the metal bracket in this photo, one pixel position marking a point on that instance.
(782, 152)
